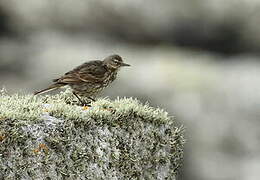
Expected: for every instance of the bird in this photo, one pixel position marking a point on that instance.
(90, 78)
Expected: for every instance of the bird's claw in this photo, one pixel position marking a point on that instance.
(85, 104)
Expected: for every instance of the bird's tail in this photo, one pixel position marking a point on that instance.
(50, 88)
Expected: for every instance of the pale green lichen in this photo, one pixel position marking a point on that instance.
(50, 137)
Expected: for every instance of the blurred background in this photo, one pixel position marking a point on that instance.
(197, 59)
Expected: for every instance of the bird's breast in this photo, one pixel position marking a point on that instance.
(109, 78)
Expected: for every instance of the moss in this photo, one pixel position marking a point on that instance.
(51, 137)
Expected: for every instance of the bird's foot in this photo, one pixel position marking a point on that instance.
(84, 104)
(85, 107)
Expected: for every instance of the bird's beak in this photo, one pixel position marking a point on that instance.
(124, 64)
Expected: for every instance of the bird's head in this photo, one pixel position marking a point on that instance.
(114, 62)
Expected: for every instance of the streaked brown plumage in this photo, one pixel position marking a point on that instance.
(88, 79)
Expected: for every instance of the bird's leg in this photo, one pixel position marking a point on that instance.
(92, 99)
(83, 102)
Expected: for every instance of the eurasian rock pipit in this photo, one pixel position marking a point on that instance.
(88, 79)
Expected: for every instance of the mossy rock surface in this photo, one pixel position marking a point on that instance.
(45, 137)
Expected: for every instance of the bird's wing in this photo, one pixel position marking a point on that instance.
(92, 71)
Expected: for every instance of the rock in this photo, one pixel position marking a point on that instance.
(46, 138)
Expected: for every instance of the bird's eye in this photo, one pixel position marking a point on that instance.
(116, 61)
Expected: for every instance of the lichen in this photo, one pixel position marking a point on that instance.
(51, 137)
